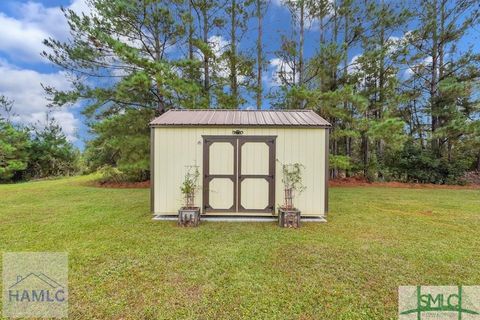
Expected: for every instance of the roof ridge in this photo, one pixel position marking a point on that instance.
(238, 118)
(244, 110)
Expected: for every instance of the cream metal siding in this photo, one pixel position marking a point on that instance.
(178, 147)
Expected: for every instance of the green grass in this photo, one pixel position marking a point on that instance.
(124, 265)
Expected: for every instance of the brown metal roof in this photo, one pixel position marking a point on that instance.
(221, 117)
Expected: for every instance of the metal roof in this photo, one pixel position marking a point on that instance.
(225, 117)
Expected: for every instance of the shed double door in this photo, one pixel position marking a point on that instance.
(238, 174)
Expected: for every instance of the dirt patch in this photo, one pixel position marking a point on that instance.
(344, 182)
(123, 185)
(360, 182)
(426, 213)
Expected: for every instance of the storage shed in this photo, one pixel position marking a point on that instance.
(239, 154)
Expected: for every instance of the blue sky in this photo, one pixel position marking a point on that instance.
(24, 25)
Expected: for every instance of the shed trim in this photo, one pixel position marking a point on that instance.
(327, 169)
(152, 170)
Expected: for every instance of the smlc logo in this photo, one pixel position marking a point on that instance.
(41, 288)
(439, 302)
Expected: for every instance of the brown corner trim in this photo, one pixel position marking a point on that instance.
(152, 170)
(327, 169)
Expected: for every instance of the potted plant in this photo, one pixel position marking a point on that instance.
(288, 214)
(189, 214)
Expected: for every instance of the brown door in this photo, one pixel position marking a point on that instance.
(220, 174)
(256, 174)
(239, 174)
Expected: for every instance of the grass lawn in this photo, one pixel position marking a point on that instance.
(124, 265)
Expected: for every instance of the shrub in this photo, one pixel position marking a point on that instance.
(414, 164)
(113, 174)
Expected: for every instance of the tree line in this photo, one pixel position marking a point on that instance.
(34, 151)
(398, 80)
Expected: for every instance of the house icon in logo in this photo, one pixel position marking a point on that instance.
(40, 277)
(36, 287)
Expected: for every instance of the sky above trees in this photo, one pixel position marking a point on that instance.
(25, 24)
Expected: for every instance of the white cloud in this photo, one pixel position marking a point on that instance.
(310, 22)
(65, 119)
(219, 45)
(422, 64)
(21, 37)
(353, 65)
(24, 87)
(21, 40)
(282, 3)
(280, 67)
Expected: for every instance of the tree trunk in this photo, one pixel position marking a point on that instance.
(449, 148)
(333, 147)
(365, 154)
(381, 87)
(335, 40)
(433, 83)
(233, 54)
(440, 67)
(190, 38)
(345, 76)
(416, 119)
(301, 44)
(259, 55)
(322, 43)
(158, 49)
(478, 162)
(206, 66)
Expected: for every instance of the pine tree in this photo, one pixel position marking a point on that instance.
(51, 154)
(377, 72)
(439, 66)
(239, 66)
(259, 12)
(124, 47)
